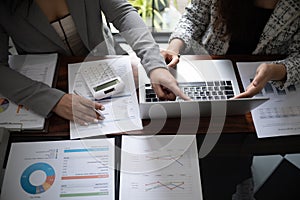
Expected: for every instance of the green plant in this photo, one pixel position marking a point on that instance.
(144, 8)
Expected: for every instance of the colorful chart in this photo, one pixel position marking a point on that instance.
(171, 185)
(32, 189)
(4, 104)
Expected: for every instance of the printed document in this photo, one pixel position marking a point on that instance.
(37, 67)
(4, 136)
(160, 167)
(280, 116)
(82, 169)
(121, 110)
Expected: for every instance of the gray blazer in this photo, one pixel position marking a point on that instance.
(32, 33)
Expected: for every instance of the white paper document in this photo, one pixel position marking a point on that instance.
(121, 110)
(82, 169)
(37, 67)
(280, 116)
(159, 167)
(4, 136)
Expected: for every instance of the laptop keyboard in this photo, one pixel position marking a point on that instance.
(198, 91)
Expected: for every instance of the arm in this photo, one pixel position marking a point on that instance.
(39, 97)
(133, 29)
(282, 73)
(172, 54)
(190, 27)
(291, 63)
(264, 73)
(34, 95)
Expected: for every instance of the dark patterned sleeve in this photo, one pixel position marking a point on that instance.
(193, 23)
(292, 62)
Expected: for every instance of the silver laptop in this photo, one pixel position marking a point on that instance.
(210, 83)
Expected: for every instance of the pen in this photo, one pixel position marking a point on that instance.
(96, 110)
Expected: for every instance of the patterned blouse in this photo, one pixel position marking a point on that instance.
(281, 35)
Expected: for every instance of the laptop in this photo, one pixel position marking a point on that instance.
(210, 83)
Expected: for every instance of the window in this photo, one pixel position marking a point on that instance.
(160, 15)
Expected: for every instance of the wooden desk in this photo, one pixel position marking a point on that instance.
(230, 159)
(242, 124)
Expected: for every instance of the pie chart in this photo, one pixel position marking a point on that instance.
(37, 178)
(4, 104)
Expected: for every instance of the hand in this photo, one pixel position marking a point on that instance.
(264, 73)
(78, 109)
(165, 85)
(171, 58)
(172, 55)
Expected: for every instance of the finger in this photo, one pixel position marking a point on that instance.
(84, 111)
(173, 62)
(168, 94)
(158, 90)
(250, 92)
(84, 119)
(80, 122)
(242, 95)
(176, 90)
(99, 106)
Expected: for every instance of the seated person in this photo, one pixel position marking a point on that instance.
(258, 27)
(228, 27)
(72, 28)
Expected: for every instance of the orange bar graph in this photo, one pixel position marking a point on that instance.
(84, 177)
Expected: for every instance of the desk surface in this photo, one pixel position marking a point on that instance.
(231, 158)
(58, 128)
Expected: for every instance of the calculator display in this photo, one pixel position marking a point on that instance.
(106, 85)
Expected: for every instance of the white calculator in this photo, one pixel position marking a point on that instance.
(102, 80)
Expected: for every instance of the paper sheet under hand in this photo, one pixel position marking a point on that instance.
(37, 67)
(121, 111)
(280, 116)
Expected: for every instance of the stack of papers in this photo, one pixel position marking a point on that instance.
(37, 67)
(4, 136)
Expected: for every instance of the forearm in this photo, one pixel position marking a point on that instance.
(292, 65)
(136, 33)
(193, 23)
(175, 46)
(277, 72)
(34, 95)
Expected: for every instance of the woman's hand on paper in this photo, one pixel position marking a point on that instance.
(78, 109)
(264, 73)
(165, 85)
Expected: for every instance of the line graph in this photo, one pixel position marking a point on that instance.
(171, 185)
(166, 158)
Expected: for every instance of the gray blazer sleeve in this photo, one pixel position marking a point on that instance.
(34, 95)
(125, 18)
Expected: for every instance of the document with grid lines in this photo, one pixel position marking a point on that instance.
(280, 116)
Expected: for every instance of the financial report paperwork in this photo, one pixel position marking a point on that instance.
(121, 110)
(280, 116)
(160, 167)
(37, 67)
(82, 169)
